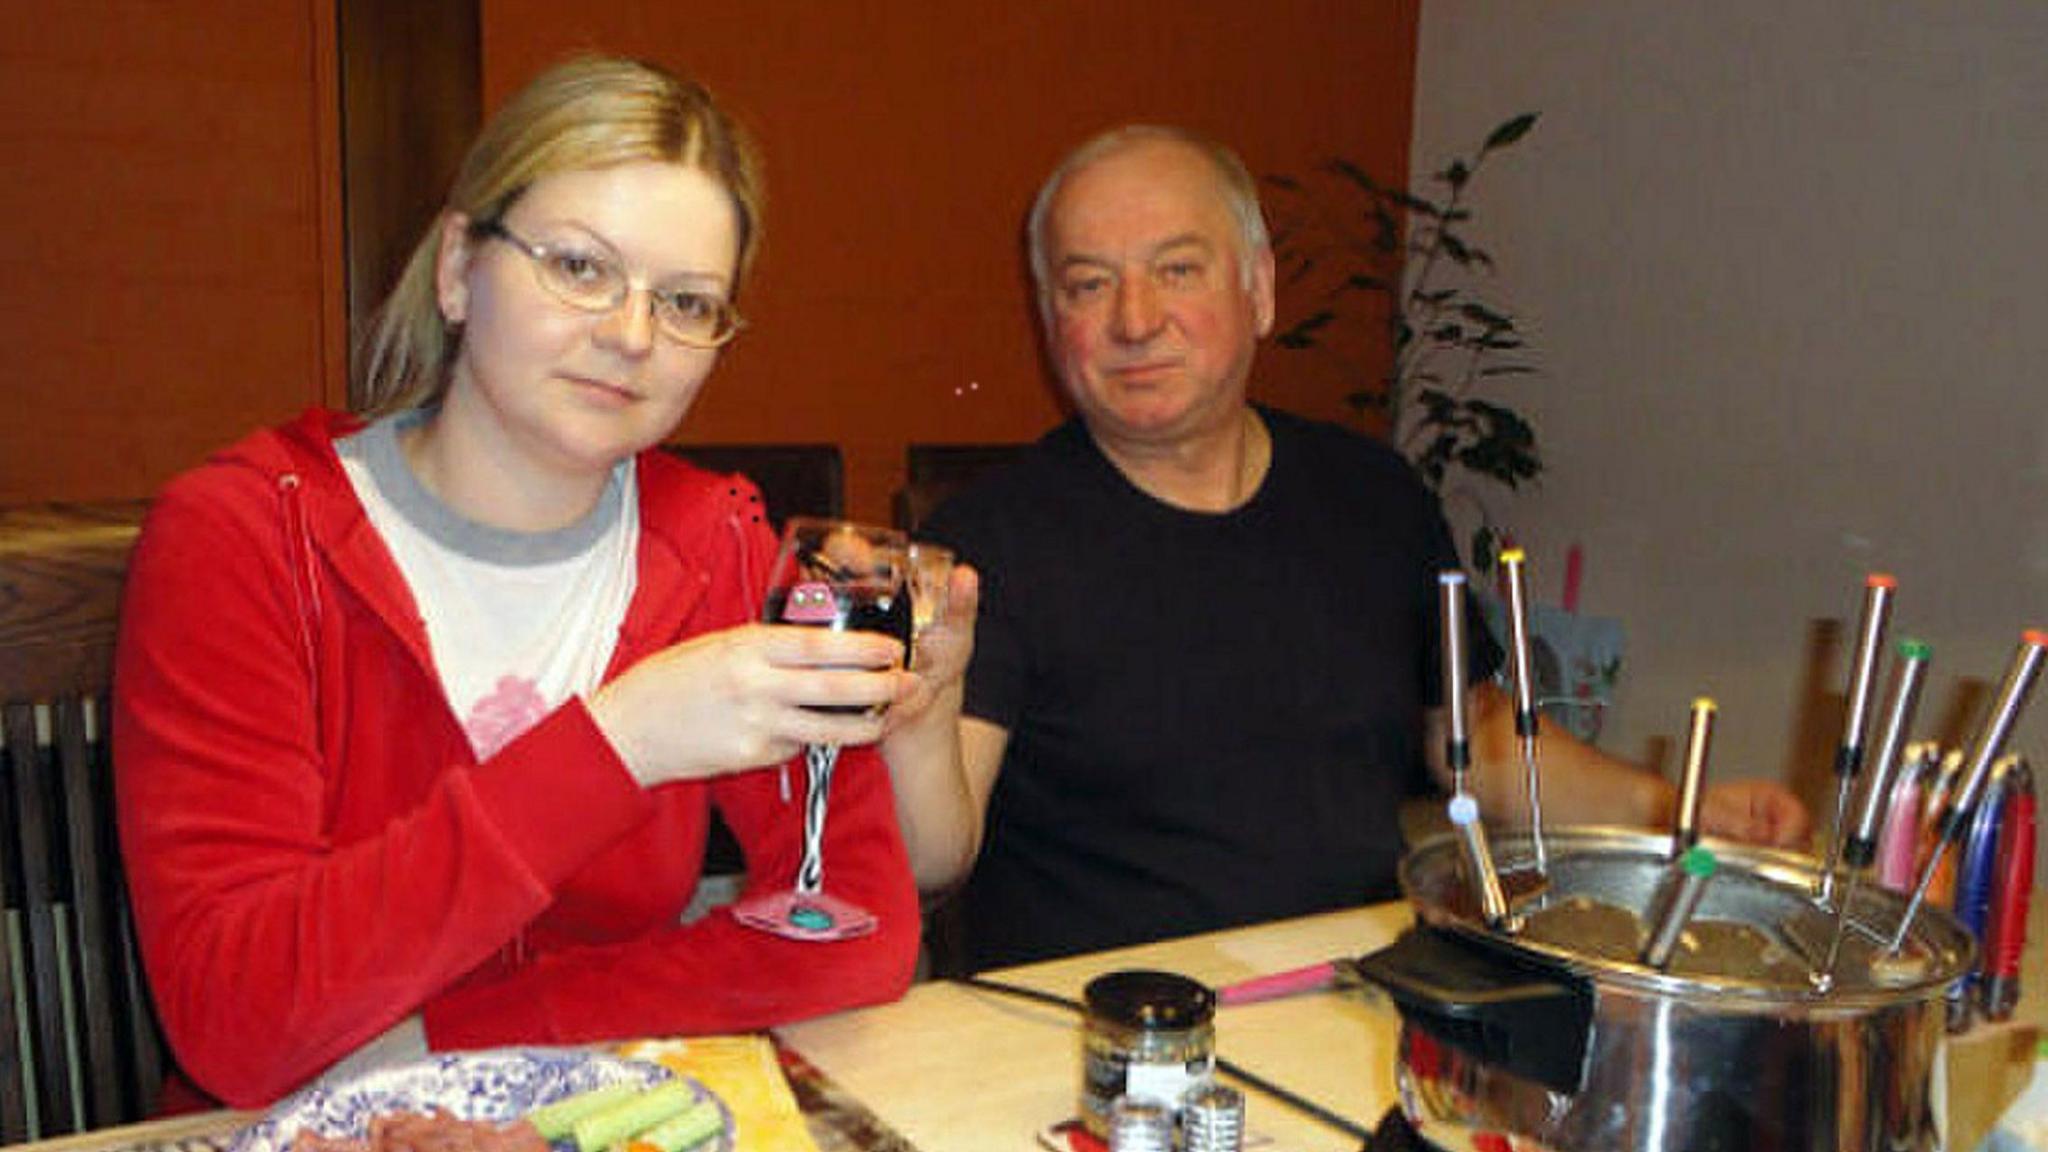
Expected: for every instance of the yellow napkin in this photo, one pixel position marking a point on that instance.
(744, 1073)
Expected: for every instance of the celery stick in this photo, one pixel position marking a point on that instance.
(622, 1122)
(700, 1123)
(553, 1121)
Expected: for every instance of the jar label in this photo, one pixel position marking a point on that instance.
(1106, 1076)
(1167, 1083)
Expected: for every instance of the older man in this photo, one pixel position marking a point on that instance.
(1206, 661)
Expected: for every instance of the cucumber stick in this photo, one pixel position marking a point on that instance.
(553, 1121)
(623, 1121)
(700, 1123)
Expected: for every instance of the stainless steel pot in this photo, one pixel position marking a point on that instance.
(1551, 1034)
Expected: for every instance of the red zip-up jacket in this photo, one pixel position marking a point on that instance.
(314, 852)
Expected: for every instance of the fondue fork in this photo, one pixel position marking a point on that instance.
(1451, 614)
(1464, 810)
(1695, 868)
(1877, 594)
(1685, 823)
(1526, 725)
(1908, 673)
(1493, 900)
(1984, 752)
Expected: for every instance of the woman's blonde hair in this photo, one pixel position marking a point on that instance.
(590, 112)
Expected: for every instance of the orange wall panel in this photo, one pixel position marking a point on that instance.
(168, 277)
(904, 141)
(172, 275)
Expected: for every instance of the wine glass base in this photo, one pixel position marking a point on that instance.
(810, 916)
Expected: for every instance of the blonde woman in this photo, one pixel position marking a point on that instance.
(421, 713)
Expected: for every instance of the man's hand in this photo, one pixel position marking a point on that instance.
(1755, 812)
(940, 663)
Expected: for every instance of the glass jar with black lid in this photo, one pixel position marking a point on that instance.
(1148, 1034)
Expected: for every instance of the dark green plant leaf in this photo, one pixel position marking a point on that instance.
(1509, 131)
(1475, 311)
(1465, 255)
(1456, 174)
(1485, 550)
(1369, 401)
(1415, 204)
(1302, 333)
(1435, 459)
(1355, 174)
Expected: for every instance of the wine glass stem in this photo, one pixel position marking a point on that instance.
(819, 760)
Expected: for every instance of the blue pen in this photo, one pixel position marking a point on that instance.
(1974, 879)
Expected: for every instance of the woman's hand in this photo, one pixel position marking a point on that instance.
(748, 697)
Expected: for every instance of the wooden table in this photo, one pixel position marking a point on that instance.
(951, 1068)
(954, 1068)
(957, 1069)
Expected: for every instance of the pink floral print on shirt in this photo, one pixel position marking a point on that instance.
(498, 719)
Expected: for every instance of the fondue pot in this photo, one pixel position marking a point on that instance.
(1548, 1033)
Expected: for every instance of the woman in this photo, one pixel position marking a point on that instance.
(421, 716)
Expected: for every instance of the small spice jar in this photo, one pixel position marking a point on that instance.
(1149, 1035)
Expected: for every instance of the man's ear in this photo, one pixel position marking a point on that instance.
(1263, 276)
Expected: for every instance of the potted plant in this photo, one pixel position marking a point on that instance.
(1414, 256)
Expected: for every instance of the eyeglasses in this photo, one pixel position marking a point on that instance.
(591, 279)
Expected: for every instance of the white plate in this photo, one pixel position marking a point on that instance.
(499, 1085)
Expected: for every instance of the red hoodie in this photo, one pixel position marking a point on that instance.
(314, 853)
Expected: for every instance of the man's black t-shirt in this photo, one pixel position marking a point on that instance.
(1213, 718)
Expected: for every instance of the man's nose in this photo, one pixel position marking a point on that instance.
(1138, 315)
(629, 326)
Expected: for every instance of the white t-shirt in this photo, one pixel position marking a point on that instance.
(517, 622)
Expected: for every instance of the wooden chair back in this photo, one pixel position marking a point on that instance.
(936, 471)
(79, 1044)
(794, 479)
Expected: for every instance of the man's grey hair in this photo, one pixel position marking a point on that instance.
(1233, 182)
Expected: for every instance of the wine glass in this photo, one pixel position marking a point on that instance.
(844, 576)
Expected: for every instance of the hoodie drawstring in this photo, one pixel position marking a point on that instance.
(305, 579)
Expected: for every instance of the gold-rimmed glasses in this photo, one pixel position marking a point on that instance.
(591, 278)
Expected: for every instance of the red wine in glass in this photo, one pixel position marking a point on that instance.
(864, 606)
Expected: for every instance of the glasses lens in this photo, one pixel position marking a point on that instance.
(694, 317)
(584, 279)
(691, 316)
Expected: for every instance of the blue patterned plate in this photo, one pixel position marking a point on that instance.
(499, 1085)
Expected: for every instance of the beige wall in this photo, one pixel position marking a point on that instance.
(1782, 263)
